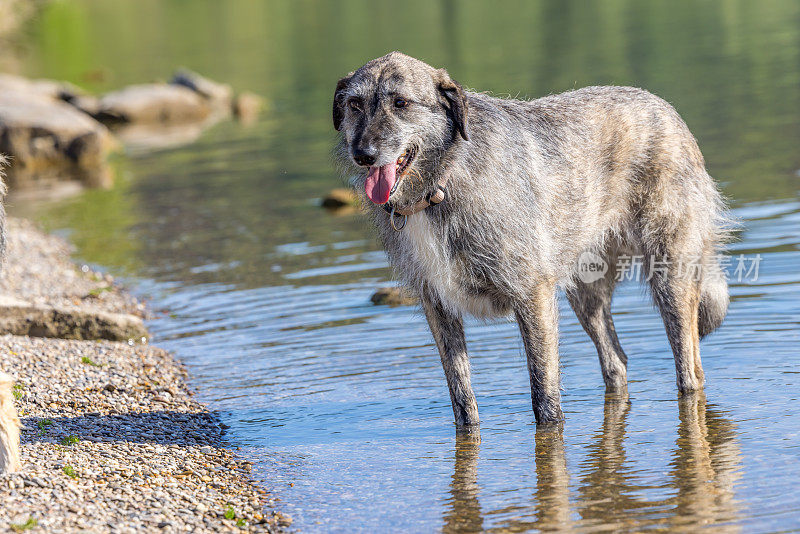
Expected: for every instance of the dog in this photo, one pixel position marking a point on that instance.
(9, 422)
(486, 205)
(3, 191)
(9, 428)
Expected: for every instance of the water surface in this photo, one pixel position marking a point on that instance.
(343, 404)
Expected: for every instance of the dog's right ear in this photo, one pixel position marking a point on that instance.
(338, 101)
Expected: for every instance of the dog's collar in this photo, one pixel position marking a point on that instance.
(431, 199)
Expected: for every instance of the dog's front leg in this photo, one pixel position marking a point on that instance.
(538, 321)
(448, 332)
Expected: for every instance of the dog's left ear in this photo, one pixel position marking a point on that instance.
(456, 101)
(338, 101)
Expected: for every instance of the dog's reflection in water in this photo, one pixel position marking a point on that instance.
(552, 479)
(464, 511)
(706, 465)
(606, 492)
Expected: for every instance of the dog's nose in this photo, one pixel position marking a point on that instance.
(364, 157)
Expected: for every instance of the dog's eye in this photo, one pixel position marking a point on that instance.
(355, 105)
(400, 102)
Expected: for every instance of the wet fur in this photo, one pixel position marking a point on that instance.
(532, 185)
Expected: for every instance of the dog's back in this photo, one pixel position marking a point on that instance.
(602, 169)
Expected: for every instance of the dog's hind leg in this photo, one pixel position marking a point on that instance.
(448, 332)
(592, 304)
(537, 317)
(678, 299)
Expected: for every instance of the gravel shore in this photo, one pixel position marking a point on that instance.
(38, 269)
(113, 439)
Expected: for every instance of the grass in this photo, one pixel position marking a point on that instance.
(88, 361)
(27, 525)
(96, 292)
(70, 440)
(70, 471)
(43, 424)
(17, 391)
(231, 514)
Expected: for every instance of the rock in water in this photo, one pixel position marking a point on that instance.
(393, 296)
(247, 106)
(339, 198)
(152, 103)
(217, 94)
(40, 133)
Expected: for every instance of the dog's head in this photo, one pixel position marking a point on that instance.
(396, 115)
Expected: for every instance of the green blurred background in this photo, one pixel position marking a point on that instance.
(730, 67)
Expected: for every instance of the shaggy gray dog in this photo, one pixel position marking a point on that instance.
(486, 206)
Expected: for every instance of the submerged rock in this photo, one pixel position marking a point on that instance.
(247, 106)
(142, 137)
(394, 296)
(48, 190)
(340, 198)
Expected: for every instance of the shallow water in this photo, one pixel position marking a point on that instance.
(343, 404)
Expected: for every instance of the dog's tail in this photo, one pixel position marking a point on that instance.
(713, 302)
(714, 297)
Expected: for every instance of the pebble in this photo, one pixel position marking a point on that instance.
(144, 453)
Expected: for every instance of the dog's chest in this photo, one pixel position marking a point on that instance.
(447, 275)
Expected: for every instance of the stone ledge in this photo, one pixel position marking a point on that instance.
(25, 319)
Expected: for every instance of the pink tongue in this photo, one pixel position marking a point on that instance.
(380, 181)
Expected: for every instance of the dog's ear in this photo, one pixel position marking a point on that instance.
(338, 101)
(454, 100)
